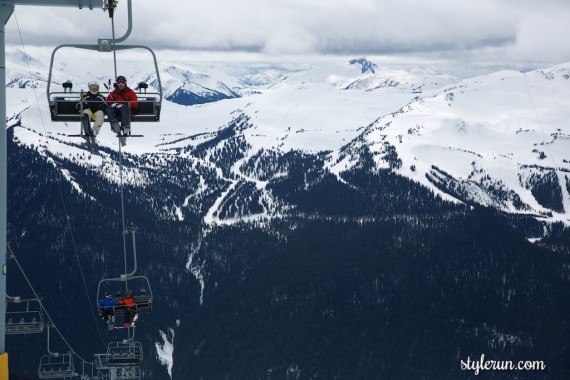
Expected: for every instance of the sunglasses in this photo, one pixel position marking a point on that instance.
(121, 81)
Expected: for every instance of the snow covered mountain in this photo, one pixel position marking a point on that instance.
(499, 140)
(182, 86)
(363, 75)
(25, 71)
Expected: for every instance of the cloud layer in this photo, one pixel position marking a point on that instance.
(506, 31)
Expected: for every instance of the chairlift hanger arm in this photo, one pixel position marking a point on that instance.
(108, 5)
(129, 21)
(124, 47)
(61, 3)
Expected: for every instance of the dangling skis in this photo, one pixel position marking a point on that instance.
(128, 325)
(111, 322)
(89, 140)
(89, 136)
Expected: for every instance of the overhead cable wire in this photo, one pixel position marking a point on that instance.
(95, 319)
(13, 256)
(538, 121)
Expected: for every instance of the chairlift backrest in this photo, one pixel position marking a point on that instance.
(142, 86)
(59, 366)
(23, 316)
(67, 86)
(129, 373)
(120, 354)
(63, 107)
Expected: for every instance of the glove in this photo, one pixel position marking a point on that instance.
(116, 105)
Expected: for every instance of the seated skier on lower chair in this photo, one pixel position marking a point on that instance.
(130, 309)
(107, 309)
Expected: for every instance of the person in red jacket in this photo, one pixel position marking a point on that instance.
(130, 308)
(122, 102)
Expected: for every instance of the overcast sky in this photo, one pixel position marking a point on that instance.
(517, 33)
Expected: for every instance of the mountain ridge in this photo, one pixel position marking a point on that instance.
(481, 140)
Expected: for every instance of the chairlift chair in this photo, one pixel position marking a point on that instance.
(88, 372)
(121, 373)
(120, 355)
(56, 366)
(128, 373)
(140, 286)
(62, 104)
(23, 316)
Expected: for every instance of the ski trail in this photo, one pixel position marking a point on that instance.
(562, 180)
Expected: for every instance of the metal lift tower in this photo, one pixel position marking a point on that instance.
(6, 10)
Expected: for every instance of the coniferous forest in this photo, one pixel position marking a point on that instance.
(377, 280)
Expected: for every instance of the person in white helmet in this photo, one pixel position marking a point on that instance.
(94, 107)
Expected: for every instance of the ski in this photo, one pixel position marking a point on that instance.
(91, 144)
(111, 322)
(132, 324)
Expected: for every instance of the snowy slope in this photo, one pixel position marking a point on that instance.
(186, 87)
(24, 70)
(490, 134)
(499, 140)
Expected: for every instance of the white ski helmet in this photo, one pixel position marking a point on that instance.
(93, 83)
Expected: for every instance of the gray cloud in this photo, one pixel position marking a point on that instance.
(508, 31)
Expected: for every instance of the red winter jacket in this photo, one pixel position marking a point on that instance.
(118, 96)
(129, 301)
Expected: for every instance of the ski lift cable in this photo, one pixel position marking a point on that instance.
(549, 157)
(120, 168)
(533, 105)
(121, 183)
(113, 43)
(531, 100)
(13, 256)
(61, 192)
(538, 121)
(123, 216)
(72, 350)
